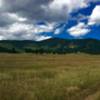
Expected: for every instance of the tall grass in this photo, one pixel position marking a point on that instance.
(49, 77)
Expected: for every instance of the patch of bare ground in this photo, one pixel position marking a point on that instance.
(93, 96)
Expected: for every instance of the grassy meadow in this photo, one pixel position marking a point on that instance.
(49, 77)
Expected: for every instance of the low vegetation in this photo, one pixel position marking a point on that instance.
(49, 77)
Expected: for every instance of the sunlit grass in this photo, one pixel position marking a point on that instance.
(49, 77)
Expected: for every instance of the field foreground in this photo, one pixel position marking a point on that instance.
(49, 77)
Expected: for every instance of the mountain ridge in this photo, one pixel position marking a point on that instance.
(52, 45)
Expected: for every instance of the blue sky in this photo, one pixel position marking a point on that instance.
(44, 19)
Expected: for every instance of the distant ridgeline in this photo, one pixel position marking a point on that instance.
(56, 45)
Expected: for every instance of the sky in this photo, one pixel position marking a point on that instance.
(43, 19)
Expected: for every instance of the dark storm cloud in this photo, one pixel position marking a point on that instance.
(27, 8)
(32, 9)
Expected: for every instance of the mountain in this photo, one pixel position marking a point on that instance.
(55, 45)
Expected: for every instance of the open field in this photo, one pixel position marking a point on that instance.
(49, 77)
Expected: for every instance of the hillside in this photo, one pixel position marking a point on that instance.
(55, 45)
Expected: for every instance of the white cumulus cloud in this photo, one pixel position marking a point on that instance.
(78, 30)
(95, 16)
(61, 9)
(69, 5)
(24, 31)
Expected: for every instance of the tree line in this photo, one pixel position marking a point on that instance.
(54, 46)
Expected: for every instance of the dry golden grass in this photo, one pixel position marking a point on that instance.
(49, 77)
